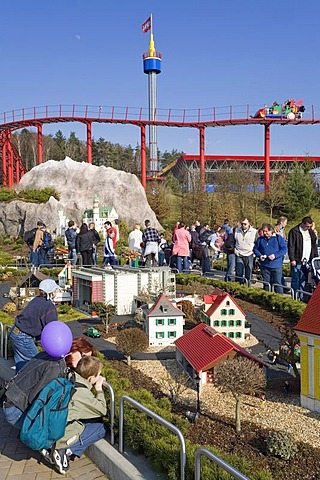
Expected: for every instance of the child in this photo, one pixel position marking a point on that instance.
(110, 257)
(84, 406)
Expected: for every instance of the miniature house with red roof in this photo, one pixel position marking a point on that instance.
(221, 312)
(163, 323)
(202, 349)
(308, 331)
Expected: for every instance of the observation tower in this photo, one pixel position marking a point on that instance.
(152, 67)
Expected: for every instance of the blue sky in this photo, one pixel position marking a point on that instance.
(215, 53)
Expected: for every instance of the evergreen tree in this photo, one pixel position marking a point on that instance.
(299, 192)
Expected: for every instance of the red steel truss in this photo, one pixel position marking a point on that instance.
(12, 164)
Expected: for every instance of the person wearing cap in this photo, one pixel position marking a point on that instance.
(29, 324)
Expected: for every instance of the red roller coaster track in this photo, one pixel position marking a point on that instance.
(12, 164)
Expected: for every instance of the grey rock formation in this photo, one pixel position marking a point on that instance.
(77, 184)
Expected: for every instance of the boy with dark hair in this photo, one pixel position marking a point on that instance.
(82, 429)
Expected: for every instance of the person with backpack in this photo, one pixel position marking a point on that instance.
(23, 389)
(29, 324)
(29, 238)
(85, 408)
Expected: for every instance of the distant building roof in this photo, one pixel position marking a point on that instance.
(203, 345)
(32, 279)
(310, 319)
(163, 306)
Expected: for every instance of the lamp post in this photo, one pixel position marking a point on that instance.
(197, 380)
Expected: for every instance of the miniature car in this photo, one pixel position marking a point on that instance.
(92, 332)
(290, 109)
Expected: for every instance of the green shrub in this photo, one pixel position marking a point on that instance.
(39, 196)
(7, 195)
(280, 444)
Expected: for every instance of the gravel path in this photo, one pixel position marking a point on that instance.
(280, 412)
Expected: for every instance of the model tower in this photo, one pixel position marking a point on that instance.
(152, 66)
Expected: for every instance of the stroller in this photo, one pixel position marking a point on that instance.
(311, 271)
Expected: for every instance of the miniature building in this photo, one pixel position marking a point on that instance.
(202, 349)
(163, 323)
(119, 286)
(221, 312)
(308, 331)
(100, 215)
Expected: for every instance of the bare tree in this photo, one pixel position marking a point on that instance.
(240, 376)
(174, 381)
(130, 341)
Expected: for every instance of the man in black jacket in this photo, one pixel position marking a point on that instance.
(302, 248)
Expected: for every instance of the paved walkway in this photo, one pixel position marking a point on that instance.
(17, 462)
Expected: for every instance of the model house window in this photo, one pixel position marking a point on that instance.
(232, 311)
(159, 321)
(227, 303)
(223, 323)
(223, 311)
(216, 323)
(172, 321)
(159, 334)
(231, 323)
(172, 334)
(231, 335)
(238, 334)
(238, 323)
(224, 333)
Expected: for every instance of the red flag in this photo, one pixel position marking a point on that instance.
(146, 25)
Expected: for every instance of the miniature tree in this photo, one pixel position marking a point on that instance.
(104, 311)
(131, 340)
(187, 308)
(174, 381)
(240, 376)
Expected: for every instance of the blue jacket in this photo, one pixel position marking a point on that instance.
(275, 245)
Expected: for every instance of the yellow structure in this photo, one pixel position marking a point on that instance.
(308, 331)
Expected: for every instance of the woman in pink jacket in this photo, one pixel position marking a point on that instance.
(181, 248)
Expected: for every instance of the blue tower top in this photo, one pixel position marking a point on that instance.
(152, 59)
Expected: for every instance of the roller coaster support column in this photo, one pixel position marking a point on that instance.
(10, 161)
(40, 155)
(89, 142)
(266, 160)
(4, 159)
(143, 157)
(202, 163)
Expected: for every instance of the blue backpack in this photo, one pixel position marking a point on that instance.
(45, 421)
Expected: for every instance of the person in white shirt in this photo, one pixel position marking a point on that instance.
(135, 239)
(245, 237)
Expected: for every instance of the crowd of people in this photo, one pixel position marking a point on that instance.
(245, 248)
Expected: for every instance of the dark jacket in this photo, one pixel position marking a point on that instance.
(295, 245)
(85, 241)
(71, 235)
(36, 315)
(229, 244)
(30, 380)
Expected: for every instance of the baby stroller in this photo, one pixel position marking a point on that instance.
(311, 271)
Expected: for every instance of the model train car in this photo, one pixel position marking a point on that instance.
(290, 110)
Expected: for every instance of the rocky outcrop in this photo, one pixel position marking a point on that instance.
(77, 184)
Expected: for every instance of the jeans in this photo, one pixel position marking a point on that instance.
(112, 260)
(161, 259)
(231, 264)
(92, 433)
(72, 256)
(298, 278)
(183, 264)
(244, 267)
(94, 256)
(205, 261)
(14, 416)
(24, 348)
(272, 275)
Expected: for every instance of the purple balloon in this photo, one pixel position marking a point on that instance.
(56, 339)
